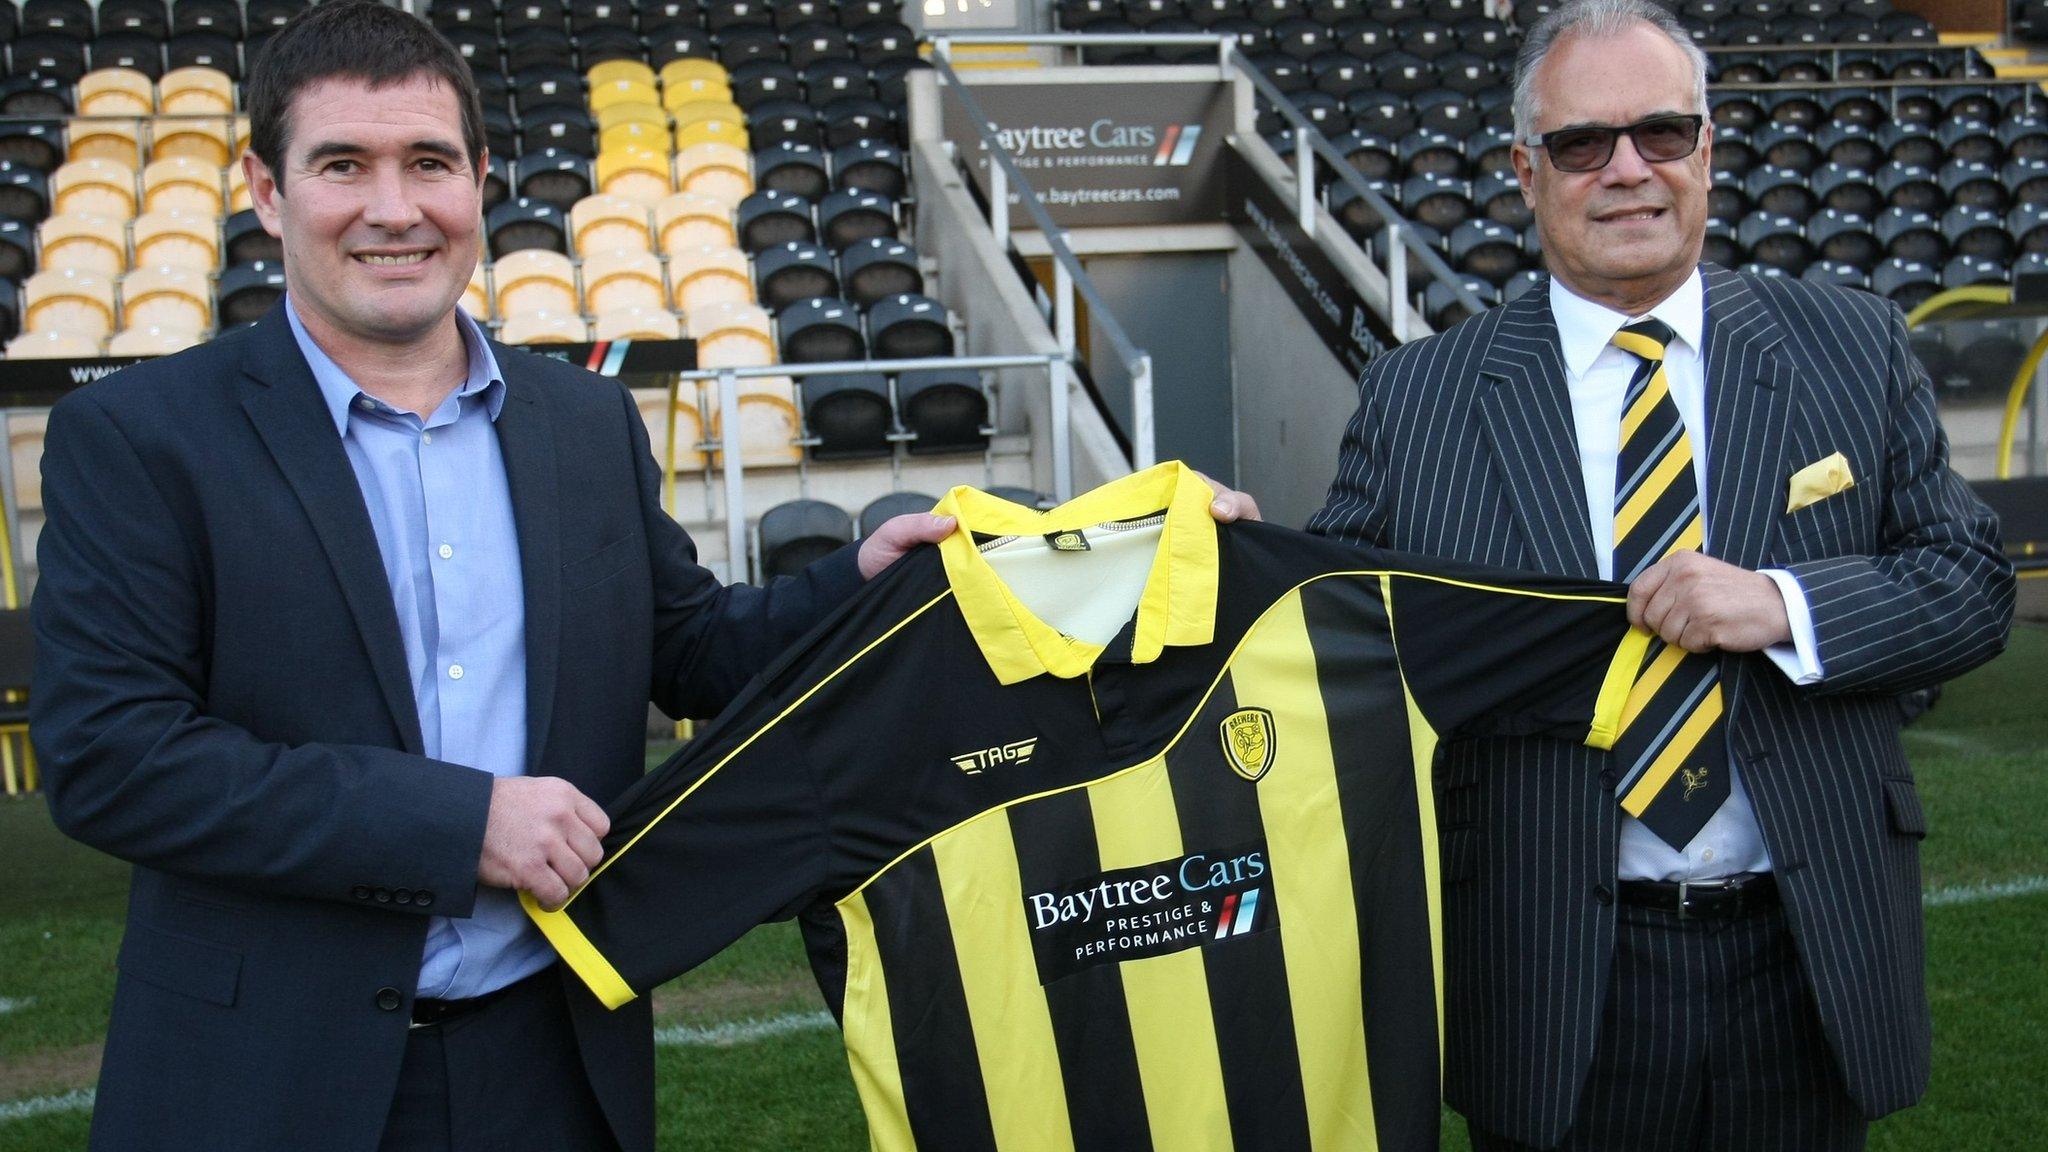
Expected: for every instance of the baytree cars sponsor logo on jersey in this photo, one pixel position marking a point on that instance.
(1015, 752)
(1169, 145)
(1199, 899)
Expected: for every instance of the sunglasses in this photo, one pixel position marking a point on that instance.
(1659, 140)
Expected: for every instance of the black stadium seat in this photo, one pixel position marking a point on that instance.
(1375, 156)
(819, 330)
(771, 217)
(2028, 226)
(1844, 238)
(1441, 202)
(1978, 232)
(873, 270)
(247, 291)
(1499, 197)
(223, 17)
(1849, 145)
(30, 96)
(525, 223)
(1726, 198)
(1973, 185)
(1787, 146)
(1847, 189)
(872, 165)
(1779, 241)
(1441, 305)
(1781, 192)
(848, 414)
(1907, 283)
(38, 146)
(555, 176)
(17, 249)
(795, 271)
(127, 50)
(884, 508)
(204, 50)
(1911, 186)
(851, 215)
(1973, 140)
(497, 181)
(243, 240)
(798, 169)
(783, 121)
(796, 533)
(24, 193)
(1911, 235)
(142, 17)
(945, 407)
(49, 54)
(2026, 179)
(1487, 249)
(909, 326)
(1840, 275)
(854, 118)
(71, 19)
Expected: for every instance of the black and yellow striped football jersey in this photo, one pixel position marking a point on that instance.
(1109, 827)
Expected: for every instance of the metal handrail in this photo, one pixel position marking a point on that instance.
(1003, 171)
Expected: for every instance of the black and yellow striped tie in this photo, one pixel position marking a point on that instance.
(1673, 751)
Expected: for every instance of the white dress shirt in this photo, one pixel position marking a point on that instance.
(1597, 377)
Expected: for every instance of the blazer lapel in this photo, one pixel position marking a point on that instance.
(285, 405)
(1750, 386)
(526, 436)
(1527, 414)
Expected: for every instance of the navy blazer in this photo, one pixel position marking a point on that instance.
(1463, 446)
(221, 698)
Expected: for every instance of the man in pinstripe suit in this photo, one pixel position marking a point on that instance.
(1708, 937)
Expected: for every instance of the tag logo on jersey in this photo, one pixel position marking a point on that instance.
(1248, 741)
(1695, 779)
(1015, 752)
(1069, 541)
(1191, 901)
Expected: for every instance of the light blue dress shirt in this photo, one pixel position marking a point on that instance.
(442, 511)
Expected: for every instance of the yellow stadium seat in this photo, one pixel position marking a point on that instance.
(689, 220)
(178, 299)
(52, 346)
(637, 174)
(732, 335)
(25, 446)
(476, 299)
(688, 424)
(684, 69)
(700, 277)
(239, 197)
(616, 280)
(610, 71)
(694, 89)
(720, 171)
(116, 140)
(184, 184)
(544, 328)
(712, 132)
(94, 188)
(69, 300)
(180, 239)
(768, 423)
(648, 111)
(153, 341)
(115, 92)
(634, 136)
(206, 140)
(603, 223)
(696, 110)
(639, 324)
(86, 243)
(607, 99)
(195, 90)
(534, 280)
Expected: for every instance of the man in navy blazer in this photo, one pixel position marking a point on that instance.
(262, 645)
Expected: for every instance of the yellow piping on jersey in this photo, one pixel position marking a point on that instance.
(583, 957)
(1613, 712)
(1614, 689)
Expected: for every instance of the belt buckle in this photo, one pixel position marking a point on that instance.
(1684, 898)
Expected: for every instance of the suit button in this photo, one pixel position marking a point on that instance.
(360, 892)
(1609, 779)
(401, 896)
(422, 898)
(390, 999)
(1603, 894)
(383, 895)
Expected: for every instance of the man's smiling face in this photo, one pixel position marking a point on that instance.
(1626, 234)
(378, 207)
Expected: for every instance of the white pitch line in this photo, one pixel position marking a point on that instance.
(742, 1031)
(11, 1005)
(77, 1100)
(1978, 893)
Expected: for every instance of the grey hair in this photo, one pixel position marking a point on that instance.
(1598, 18)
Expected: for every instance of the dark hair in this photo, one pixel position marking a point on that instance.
(356, 40)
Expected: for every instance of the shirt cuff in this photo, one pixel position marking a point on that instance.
(1799, 660)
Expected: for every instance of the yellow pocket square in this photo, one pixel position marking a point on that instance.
(1818, 481)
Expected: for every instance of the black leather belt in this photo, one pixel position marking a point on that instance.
(427, 1012)
(1736, 896)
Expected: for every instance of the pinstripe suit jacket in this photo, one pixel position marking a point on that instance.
(1463, 446)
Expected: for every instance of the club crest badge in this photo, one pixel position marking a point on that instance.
(1248, 741)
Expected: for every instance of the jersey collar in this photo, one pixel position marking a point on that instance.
(1178, 605)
